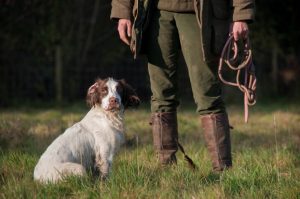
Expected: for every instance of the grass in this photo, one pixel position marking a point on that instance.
(266, 154)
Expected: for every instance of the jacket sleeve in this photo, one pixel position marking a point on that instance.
(243, 10)
(121, 9)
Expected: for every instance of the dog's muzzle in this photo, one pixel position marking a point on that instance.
(114, 104)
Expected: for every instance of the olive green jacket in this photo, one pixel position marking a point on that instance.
(214, 18)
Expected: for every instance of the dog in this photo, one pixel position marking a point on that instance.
(90, 144)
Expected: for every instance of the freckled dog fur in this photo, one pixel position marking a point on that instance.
(90, 144)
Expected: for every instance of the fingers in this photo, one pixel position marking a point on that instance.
(244, 32)
(240, 30)
(124, 29)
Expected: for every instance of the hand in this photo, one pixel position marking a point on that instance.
(124, 29)
(240, 30)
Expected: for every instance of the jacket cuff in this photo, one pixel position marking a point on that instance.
(120, 12)
(243, 10)
(248, 16)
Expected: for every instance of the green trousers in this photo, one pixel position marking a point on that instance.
(167, 33)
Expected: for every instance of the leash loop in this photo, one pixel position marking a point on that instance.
(230, 56)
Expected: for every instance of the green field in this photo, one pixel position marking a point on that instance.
(266, 157)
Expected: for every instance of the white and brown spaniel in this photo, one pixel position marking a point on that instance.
(90, 144)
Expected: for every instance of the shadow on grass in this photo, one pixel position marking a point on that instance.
(211, 178)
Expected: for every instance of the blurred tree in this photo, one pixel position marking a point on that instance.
(53, 50)
(276, 37)
(47, 46)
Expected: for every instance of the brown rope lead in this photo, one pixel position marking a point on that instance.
(230, 57)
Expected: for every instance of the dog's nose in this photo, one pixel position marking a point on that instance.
(113, 100)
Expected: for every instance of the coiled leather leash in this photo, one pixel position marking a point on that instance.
(230, 56)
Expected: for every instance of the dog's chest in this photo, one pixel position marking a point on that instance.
(103, 129)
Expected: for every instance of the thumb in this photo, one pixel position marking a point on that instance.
(235, 35)
(129, 28)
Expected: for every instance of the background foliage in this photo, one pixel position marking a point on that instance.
(53, 50)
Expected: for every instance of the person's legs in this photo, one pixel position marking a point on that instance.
(162, 51)
(206, 91)
(203, 75)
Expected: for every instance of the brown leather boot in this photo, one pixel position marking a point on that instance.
(165, 136)
(217, 137)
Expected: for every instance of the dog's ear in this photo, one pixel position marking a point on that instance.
(93, 96)
(133, 101)
(129, 96)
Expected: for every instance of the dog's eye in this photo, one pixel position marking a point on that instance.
(104, 90)
(119, 89)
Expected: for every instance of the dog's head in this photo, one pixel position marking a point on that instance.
(112, 95)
